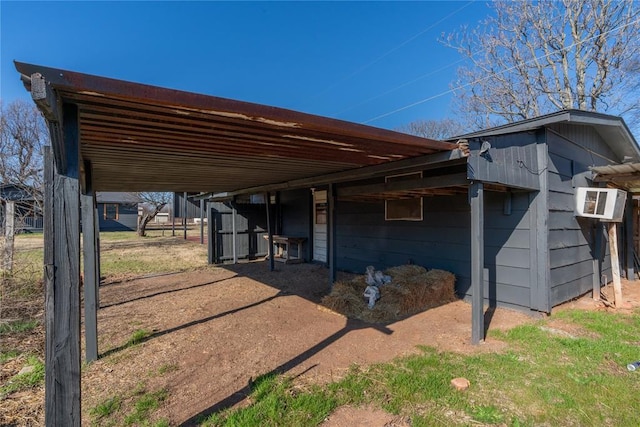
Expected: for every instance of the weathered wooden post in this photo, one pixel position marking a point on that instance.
(9, 237)
(615, 263)
(476, 199)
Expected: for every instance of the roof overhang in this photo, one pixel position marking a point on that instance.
(625, 176)
(612, 129)
(136, 137)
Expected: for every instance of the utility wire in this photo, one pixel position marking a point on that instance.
(389, 52)
(489, 76)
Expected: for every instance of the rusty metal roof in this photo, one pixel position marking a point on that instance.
(625, 176)
(145, 138)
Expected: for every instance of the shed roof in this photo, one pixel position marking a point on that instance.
(138, 137)
(625, 176)
(117, 197)
(612, 129)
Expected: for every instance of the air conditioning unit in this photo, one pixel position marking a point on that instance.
(606, 204)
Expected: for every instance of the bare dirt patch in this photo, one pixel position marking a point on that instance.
(220, 328)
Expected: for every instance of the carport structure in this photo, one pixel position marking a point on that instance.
(111, 135)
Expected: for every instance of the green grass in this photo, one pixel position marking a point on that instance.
(106, 408)
(18, 326)
(542, 379)
(144, 405)
(5, 356)
(26, 380)
(137, 337)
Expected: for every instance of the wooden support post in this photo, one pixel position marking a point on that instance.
(91, 276)
(272, 254)
(598, 239)
(173, 216)
(62, 278)
(210, 235)
(9, 236)
(202, 221)
(331, 233)
(234, 232)
(476, 199)
(184, 214)
(628, 238)
(615, 263)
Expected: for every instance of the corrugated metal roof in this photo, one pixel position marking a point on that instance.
(625, 176)
(146, 138)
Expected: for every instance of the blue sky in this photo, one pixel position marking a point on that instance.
(354, 61)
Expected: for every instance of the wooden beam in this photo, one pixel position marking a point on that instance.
(210, 234)
(615, 263)
(331, 234)
(234, 232)
(426, 162)
(272, 255)
(9, 236)
(628, 238)
(62, 269)
(184, 214)
(202, 222)
(91, 275)
(597, 257)
(540, 272)
(476, 199)
(441, 181)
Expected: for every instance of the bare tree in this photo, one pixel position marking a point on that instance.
(153, 202)
(22, 135)
(532, 58)
(433, 129)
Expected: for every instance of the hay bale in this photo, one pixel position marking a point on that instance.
(412, 289)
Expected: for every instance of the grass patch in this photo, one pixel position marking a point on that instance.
(167, 367)
(5, 356)
(18, 326)
(33, 378)
(144, 405)
(137, 337)
(106, 408)
(543, 379)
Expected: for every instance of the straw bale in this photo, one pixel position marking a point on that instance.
(412, 289)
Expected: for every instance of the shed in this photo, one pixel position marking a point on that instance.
(494, 207)
(117, 211)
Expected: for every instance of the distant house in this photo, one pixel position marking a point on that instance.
(28, 208)
(117, 211)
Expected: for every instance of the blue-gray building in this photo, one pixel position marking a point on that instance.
(117, 211)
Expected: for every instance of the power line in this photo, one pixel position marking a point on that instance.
(389, 52)
(489, 76)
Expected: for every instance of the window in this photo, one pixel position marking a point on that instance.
(110, 211)
(403, 209)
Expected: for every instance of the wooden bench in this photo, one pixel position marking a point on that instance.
(282, 246)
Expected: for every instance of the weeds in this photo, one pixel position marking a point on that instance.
(34, 376)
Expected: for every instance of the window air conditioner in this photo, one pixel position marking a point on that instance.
(607, 204)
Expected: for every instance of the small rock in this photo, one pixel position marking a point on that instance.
(460, 383)
(26, 370)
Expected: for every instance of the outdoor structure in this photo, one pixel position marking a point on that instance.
(117, 211)
(28, 210)
(537, 253)
(495, 207)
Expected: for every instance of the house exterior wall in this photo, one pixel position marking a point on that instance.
(127, 217)
(193, 206)
(295, 217)
(572, 239)
(442, 240)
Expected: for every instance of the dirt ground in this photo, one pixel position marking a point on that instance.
(214, 330)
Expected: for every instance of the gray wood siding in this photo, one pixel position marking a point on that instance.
(127, 218)
(442, 240)
(251, 226)
(511, 160)
(571, 239)
(295, 212)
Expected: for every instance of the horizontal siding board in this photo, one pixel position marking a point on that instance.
(560, 165)
(568, 273)
(568, 238)
(566, 256)
(570, 290)
(560, 184)
(563, 220)
(561, 202)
